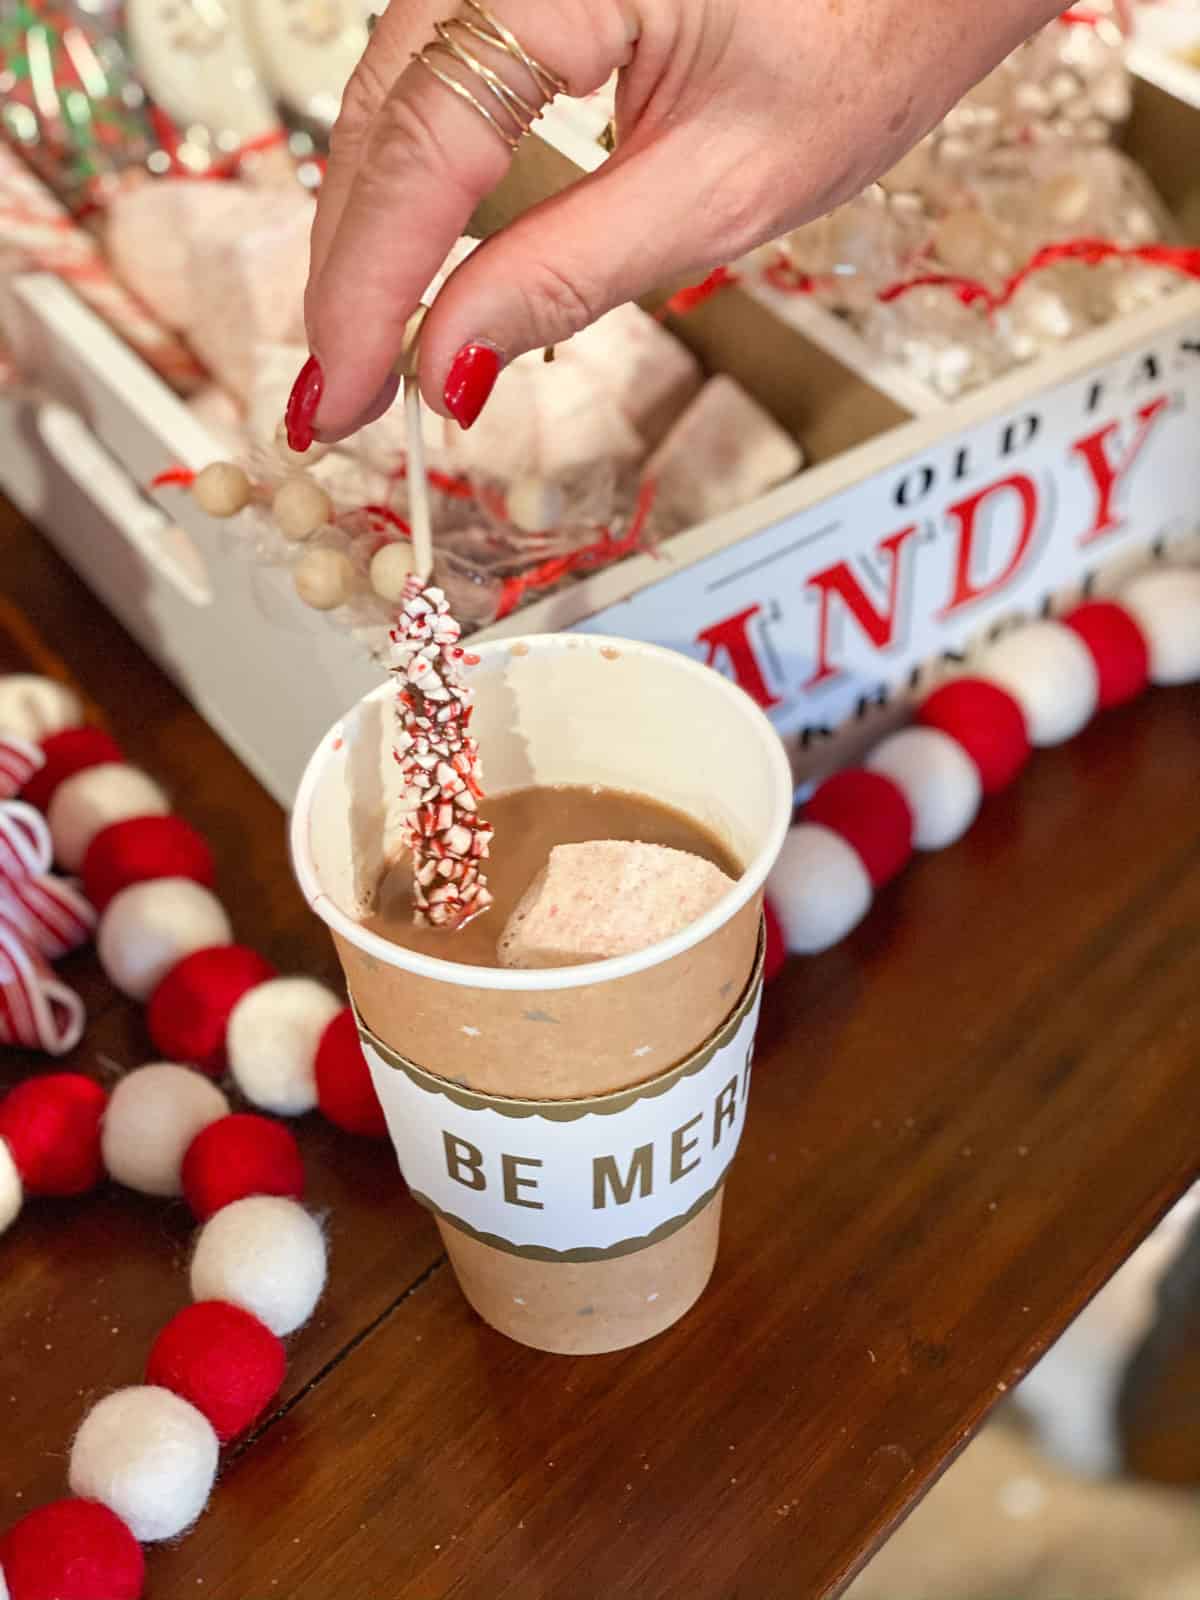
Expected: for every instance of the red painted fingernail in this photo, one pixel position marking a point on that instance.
(302, 405)
(471, 378)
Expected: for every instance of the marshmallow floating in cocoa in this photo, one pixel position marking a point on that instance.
(607, 898)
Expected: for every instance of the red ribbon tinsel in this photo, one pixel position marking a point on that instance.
(1184, 259)
(605, 550)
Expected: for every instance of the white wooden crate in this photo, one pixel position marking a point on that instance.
(823, 597)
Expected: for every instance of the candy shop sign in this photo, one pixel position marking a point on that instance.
(829, 613)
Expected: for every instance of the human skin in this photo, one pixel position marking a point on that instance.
(738, 120)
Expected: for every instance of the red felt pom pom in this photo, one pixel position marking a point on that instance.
(987, 722)
(72, 1550)
(52, 1126)
(189, 1011)
(142, 848)
(345, 1092)
(776, 952)
(1117, 646)
(240, 1156)
(227, 1363)
(870, 812)
(71, 751)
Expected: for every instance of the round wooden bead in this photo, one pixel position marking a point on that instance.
(32, 707)
(84, 805)
(221, 489)
(148, 1456)
(297, 458)
(151, 926)
(535, 505)
(324, 579)
(819, 888)
(938, 779)
(1049, 672)
(300, 507)
(1165, 604)
(391, 568)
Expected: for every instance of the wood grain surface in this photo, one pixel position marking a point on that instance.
(963, 1120)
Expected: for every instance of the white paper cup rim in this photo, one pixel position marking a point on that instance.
(518, 980)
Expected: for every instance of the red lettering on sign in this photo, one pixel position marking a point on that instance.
(1107, 473)
(731, 638)
(967, 587)
(839, 581)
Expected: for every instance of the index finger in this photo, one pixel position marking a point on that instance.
(430, 158)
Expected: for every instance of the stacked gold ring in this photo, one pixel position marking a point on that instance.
(512, 111)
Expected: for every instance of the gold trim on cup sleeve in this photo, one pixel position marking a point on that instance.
(571, 1110)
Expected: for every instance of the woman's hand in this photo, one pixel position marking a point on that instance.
(737, 120)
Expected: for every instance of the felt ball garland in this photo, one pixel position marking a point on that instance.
(165, 939)
(145, 1458)
(1036, 685)
(65, 753)
(188, 1015)
(144, 1461)
(140, 850)
(71, 1550)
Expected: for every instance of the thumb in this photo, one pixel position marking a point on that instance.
(644, 221)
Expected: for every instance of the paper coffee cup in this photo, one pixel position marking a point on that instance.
(569, 1128)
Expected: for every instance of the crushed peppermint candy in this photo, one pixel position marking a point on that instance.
(439, 761)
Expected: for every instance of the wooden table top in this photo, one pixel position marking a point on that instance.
(963, 1120)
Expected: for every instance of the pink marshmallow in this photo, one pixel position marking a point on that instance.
(607, 898)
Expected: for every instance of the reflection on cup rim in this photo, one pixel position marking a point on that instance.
(549, 978)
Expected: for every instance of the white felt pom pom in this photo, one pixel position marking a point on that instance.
(12, 1191)
(149, 927)
(1049, 672)
(94, 799)
(938, 779)
(1165, 604)
(4, 1591)
(152, 1116)
(150, 1457)
(33, 708)
(819, 888)
(264, 1254)
(272, 1040)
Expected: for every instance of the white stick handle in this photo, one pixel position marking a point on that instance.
(418, 484)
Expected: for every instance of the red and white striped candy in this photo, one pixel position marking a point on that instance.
(19, 760)
(51, 913)
(37, 1010)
